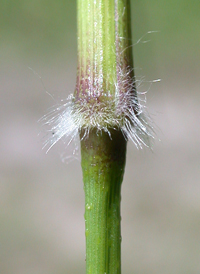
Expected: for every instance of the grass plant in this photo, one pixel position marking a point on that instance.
(105, 112)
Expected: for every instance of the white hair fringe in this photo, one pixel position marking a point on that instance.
(126, 112)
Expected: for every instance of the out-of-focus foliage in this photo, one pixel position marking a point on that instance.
(38, 28)
(42, 199)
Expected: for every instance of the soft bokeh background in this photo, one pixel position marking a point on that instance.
(42, 199)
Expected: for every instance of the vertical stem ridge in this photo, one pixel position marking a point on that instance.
(104, 48)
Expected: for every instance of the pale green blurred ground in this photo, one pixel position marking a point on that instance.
(42, 199)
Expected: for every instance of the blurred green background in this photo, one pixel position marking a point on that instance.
(42, 199)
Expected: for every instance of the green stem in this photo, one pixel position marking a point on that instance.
(104, 75)
(103, 162)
